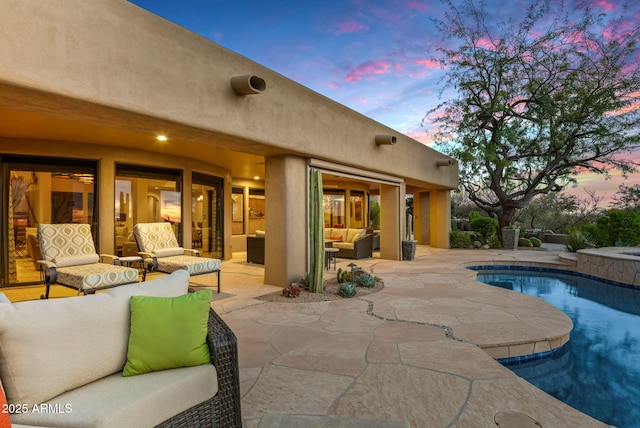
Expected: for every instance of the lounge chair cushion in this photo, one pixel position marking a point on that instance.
(136, 401)
(97, 275)
(168, 332)
(48, 349)
(353, 234)
(194, 265)
(153, 237)
(59, 241)
(168, 252)
(85, 259)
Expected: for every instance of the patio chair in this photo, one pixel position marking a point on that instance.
(160, 249)
(69, 259)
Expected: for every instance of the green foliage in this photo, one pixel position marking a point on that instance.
(374, 215)
(627, 198)
(524, 242)
(367, 280)
(533, 103)
(619, 228)
(535, 242)
(459, 239)
(485, 227)
(343, 276)
(304, 280)
(347, 289)
(578, 240)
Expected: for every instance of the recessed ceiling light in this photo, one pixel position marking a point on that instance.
(161, 138)
(256, 178)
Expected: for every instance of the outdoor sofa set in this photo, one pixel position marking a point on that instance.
(125, 356)
(351, 244)
(63, 361)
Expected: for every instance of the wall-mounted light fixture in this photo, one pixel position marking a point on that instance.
(444, 162)
(248, 84)
(385, 140)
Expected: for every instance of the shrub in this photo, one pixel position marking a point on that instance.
(524, 242)
(291, 291)
(347, 289)
(459, 239)
(483, 226)
(578, 240)
(535, 242)
(367, 280)
(619, 228)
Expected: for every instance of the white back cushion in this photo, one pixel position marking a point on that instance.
(48, 347)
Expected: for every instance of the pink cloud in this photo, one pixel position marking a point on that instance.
(606, 5)
(429, 63)
(348, 26)
(367, 69)
(422, 7)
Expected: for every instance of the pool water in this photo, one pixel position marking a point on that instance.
(598, 371)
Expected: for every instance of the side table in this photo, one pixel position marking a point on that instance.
(129, 261)
(330, 254)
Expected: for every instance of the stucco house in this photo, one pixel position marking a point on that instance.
(111, 115)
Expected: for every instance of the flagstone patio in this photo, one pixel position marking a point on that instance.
(419, 353)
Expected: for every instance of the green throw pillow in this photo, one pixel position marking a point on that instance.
(168, 333)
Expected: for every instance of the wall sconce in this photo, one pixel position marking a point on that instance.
(248, 84)
(385, 140)
(444, 162)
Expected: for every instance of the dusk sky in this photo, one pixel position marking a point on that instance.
(371, 55)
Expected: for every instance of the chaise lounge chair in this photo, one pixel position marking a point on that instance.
(69, 259)
(160, 249)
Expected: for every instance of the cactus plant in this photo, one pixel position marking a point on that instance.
(343, 276)
(367, 280)
(347, 289)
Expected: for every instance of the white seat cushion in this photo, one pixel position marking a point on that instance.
(136, 401)
(194, 265)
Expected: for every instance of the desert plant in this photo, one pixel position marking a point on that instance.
(367, 280)
(304, 281)
(347, 289)
(459, 239)
(578, 240)
(343, 276)
(524, 242)
(293, 290)
(535, 242)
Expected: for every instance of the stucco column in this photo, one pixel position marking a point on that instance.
(286, 220)
(440, 217)
(391, 221)
(422, 217)
(106, 206)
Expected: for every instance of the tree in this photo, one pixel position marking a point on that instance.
(560, 212)
(536, 101)
(627, 198)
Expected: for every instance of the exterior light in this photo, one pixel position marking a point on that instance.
(248, 84)
(444, 162)
(161, 138)
(385, 140)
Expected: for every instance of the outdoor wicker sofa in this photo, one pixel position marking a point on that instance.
(68, 354)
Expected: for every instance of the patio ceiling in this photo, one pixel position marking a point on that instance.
(22, 124)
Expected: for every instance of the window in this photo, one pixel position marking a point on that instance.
(146, 195)
(42, 190)
(334, 208)
(237, 211)
(207, 224)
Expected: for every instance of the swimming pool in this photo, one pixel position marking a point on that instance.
(598, 371)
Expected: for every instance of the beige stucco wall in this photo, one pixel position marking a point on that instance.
(135, 69)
